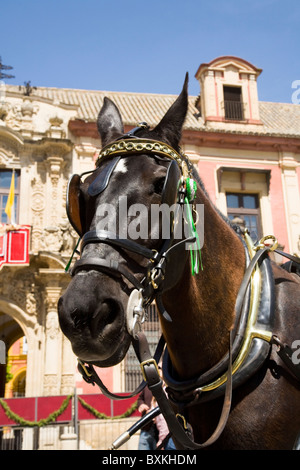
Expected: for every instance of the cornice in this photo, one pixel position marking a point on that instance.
(50, 146)
(242, 141)
(42, 99)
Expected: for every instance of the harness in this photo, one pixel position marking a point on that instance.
(248, 344)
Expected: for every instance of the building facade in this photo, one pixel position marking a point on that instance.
(247, 153)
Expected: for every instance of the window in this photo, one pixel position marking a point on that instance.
(245, 207)
(5, 180)
(233, 103)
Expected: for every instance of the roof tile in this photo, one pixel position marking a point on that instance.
(280, 119)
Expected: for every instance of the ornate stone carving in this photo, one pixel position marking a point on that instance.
(55, 130)
(51, 384)
(59, 239)
(4, 110)
(52, 327)
(67, 384)
(19, 116)
(55, 164)
(8, 154)
(21, 288)
(51, 239)
(27, 108)
(68, 239)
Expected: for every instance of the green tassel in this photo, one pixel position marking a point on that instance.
(191, 189)
(70, 260)
(196, 258)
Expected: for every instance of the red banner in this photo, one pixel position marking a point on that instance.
(14, 245)
(34, 409)
(103, 404)
(37, 408)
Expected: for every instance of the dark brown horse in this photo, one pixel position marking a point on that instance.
(197, 310)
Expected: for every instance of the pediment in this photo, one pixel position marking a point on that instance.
(10, 144)
(13, 137)
(229, 63)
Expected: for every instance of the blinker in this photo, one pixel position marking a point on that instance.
(170, 188)
(73, 203)
(102, 180)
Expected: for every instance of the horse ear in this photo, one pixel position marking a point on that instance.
(169, 128)
(110, 125)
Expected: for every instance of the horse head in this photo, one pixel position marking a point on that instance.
(111, 210)
(127, 261)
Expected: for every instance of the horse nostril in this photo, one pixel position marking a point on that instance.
(106, 314)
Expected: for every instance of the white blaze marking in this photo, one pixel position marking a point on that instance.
(121, 167)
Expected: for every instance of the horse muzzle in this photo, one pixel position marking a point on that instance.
(94, 324)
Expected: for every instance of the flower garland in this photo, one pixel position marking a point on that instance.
(99, 415)
(52, 416)
(42, 422)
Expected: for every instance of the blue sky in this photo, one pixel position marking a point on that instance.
(147, 46)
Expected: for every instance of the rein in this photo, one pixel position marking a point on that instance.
(177, 425)
(152, 286)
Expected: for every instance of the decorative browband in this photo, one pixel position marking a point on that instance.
(139, 146)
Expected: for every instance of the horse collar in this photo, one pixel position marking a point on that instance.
(252, 335)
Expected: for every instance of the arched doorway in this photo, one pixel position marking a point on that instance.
(16, 366)
(10, 333)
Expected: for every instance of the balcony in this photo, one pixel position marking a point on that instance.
(234, 110)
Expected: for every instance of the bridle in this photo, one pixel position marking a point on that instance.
(151, 287)
(179, 188)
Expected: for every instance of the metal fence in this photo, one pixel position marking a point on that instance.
(92, 435)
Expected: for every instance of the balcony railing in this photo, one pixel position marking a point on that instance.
(234, 110)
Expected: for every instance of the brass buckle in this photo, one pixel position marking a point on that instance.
(261, 244)
(182, 418)
(87, 373)
(148, 362)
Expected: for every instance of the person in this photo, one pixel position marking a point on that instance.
(148, 434)
(162, 429)
(154, 433)
(163, 432)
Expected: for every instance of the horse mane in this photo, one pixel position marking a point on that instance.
(197, 178)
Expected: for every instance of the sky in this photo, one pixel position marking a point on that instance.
(148, 46)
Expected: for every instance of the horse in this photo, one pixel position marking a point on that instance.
(226, 310)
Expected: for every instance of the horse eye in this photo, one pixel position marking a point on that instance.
(158, 185)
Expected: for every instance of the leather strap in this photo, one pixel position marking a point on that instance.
(90, 375)
(155, 384)
(111, 267)
(103, 236)
(293, 258)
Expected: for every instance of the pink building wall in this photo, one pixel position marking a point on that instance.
(207, 171)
